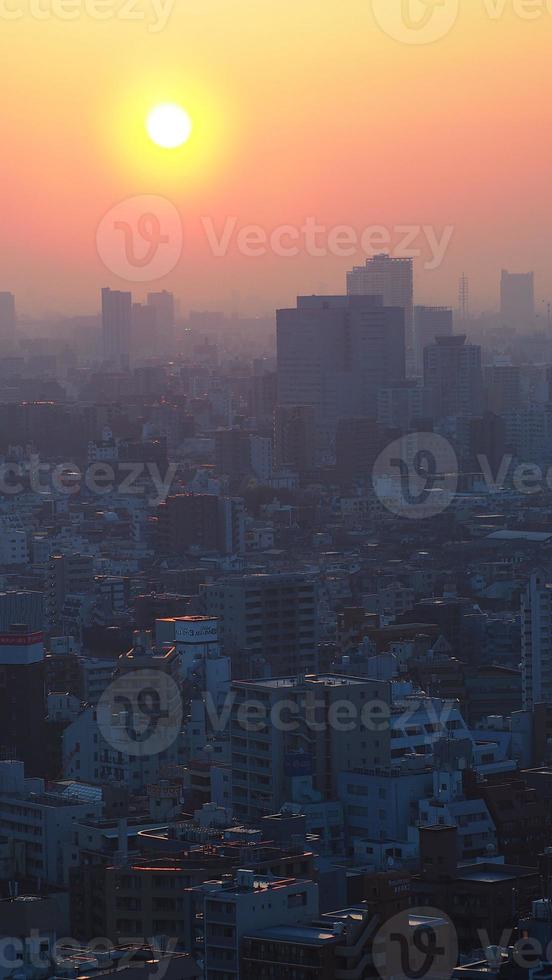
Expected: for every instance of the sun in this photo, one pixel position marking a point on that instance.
(169, 126)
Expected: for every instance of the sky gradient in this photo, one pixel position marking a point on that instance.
(300, 109)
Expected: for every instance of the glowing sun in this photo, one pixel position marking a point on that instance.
(169, 126)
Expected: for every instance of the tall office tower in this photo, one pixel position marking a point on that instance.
(164, 306)
(404, 407)
(294, 430)
(358, 445)
(334, 353)
(262, 396)
(266, 617)
(503, 388)
(517, 298)
(430, 322)
(393, 279)
(116, 328)
(452, 373)
(487, 438)
(8, 322)
(22, 705)
(232, 452)
(536, 642)
(145, 333)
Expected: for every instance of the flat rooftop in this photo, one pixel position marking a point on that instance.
(304, 935)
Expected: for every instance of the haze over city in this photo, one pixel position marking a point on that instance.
(299, 109)
(275, 490)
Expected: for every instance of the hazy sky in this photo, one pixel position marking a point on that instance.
(301, 109)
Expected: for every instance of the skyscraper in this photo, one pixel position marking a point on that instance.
(430, 322)
(8, 322)
(393, 279)
(334, 353)
(164, 306)
(536, 642)
(116, 328)
(453, 375)
(517, 298)
(294, 437)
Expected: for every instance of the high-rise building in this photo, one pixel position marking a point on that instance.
(517, 298)
(392, 279)
(293, 734)
(145, 338)
(164, 306)
(294, 431)
(334, 353)
(453, 375)
(116, 328)
(358, 445)
(503, 388)
(269, 618)
(430, 322)
(536, 642)
(8, 322)
(22, 699)
(404, 407)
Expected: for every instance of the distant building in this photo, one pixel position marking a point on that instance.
(430, 322)
(517, 298)
(202, 521)
(22, 698)
(116, 328)
(536, 642)
(452, 373)
(266, 617)
(390, 278)
(8, 322)
(294, 437)
(228, 909)
(334, 353)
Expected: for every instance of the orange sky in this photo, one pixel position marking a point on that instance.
(301, 108)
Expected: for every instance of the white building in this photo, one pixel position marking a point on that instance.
(536, 642)
(42, 820)
(231, 908)
(13, 547)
